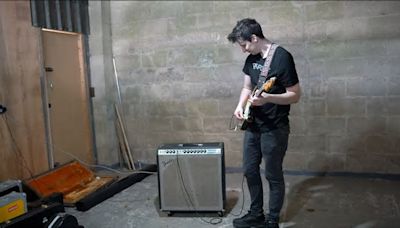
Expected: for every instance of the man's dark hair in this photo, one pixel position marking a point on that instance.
(244, 29)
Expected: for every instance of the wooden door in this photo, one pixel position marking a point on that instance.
(68, 97)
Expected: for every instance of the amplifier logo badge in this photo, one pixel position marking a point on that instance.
(165, 163)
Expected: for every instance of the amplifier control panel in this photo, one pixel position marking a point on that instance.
(190, 149)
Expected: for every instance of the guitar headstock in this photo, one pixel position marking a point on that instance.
(268, 84)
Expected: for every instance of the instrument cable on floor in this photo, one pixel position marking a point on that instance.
(189, 200)
(241, 208)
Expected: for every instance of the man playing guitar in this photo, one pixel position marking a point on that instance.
(266, 136)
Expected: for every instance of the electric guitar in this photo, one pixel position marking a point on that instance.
(247, 116)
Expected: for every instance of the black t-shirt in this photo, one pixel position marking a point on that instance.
(271, 116)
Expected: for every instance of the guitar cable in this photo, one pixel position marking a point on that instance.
(188, 199)
(233, 123)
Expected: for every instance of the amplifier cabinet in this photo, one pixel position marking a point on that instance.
(191, 177)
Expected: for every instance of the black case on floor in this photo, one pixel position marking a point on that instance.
(62, 220)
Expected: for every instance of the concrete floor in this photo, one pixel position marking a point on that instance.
(321, 202)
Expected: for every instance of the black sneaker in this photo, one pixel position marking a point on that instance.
(249, 220)
(271, 224)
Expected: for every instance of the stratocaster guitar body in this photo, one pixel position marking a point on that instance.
(247, 117)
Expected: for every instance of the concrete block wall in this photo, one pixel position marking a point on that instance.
(180, 78)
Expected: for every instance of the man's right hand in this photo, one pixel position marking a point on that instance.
(238, 113)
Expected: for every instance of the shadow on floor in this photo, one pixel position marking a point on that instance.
(298, 197)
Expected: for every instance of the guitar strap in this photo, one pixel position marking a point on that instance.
(264, 71)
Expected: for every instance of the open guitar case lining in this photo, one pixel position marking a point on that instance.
(80, 186)
(112, 189)
(71, 184)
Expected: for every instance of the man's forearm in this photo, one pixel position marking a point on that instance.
(281, 99)
(244, 96)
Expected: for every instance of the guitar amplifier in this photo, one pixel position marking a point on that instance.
(191, 177)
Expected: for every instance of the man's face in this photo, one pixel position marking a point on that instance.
(248, 46)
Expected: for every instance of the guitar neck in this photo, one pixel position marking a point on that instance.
(258, 92)
(266, 86)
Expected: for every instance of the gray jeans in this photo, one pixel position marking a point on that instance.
(272, 147)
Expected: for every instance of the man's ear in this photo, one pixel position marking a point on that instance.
(254, 38)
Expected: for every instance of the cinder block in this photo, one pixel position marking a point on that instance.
(324, 10)
(298, 125)
(366, 86)
(165, 9)
(394, 85)
(182, 25)
(381, 144)
(370, 8)
(387, 25)
(218, 91)
(393, 105)
(154, 59)
(393, 125)
(307, 143)
(205, 107)
(159, 124)
(346, 106)
(315, 107)
(216, 124)
(376, 106)
(321, 162)
(224, 55)
(366, 163)
(125, 63)
(336, 88)
(199, 75)
(188, 124)
(345, 49)
(392, 164)
(277, 16)
(326, 125)
(228, 6)
(197, 7)
(188, 91)
(346, 144)
(295, 161)
(366, 125)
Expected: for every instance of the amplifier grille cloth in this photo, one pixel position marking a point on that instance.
(201, 189)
